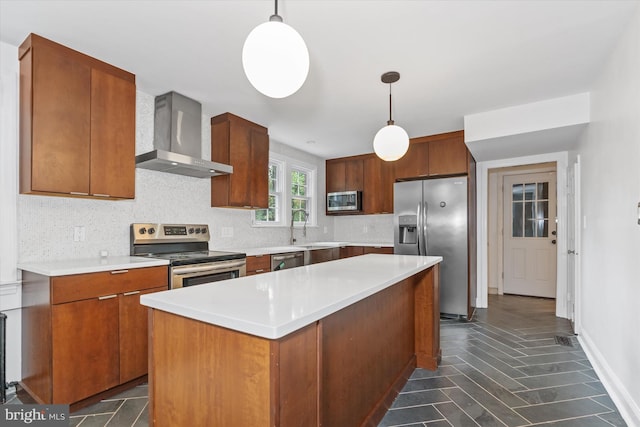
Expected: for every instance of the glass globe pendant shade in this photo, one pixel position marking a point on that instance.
(391, 143)
(275, 59)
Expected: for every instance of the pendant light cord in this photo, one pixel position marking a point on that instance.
(275, 17)
(276, 1)
(390, 122)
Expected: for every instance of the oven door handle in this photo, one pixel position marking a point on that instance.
(200, 269)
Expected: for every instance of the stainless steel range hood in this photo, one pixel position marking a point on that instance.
(177, 140)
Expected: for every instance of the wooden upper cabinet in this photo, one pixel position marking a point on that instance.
(415, 163)
(245, 146)
(77, 123)
(448, 155)
(345, 174)
(377, 196)
(113, 164)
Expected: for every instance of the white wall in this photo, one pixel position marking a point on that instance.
(364, 228)
(610, 290)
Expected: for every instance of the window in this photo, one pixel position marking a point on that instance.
(299, 181)
(300, 200)
(530, 207)
(272, 214)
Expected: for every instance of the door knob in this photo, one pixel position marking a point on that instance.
(553, 241)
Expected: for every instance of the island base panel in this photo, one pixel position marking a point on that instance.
(344, 370)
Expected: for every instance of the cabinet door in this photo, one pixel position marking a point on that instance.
(448, 156)
(335, 171)
(378, 250)
(60, 122)
(377, 196)
(354, 175)
(240, 158)
(259, 170)
(113, 133)
(349, 251)
(134, 334)
(415, 163)
(85, 348)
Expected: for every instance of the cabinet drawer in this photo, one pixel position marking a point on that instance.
(258, 262)
(378, 250)
(93, 285)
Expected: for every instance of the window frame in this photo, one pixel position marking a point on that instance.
(287, 165)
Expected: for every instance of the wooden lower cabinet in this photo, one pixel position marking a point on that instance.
(257, 264)
(134, 343)
(349, 251)
(84, 346)
(85, 334)
(378, 250)
(343, 370)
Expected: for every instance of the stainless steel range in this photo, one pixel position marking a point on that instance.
(186, 246)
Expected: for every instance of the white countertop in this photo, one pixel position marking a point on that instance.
(303, 246)
(272, 305)
(90, 265)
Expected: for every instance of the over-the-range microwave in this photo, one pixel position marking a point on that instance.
(344, 201)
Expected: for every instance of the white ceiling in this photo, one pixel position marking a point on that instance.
(455, 57)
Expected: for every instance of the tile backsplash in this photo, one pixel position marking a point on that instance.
(46, 225)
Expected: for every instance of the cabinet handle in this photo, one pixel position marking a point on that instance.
(100, 195)
(119, 271)
(77, 193)
(260, 271)
(107, 297)
(126, 294)
(258, 256)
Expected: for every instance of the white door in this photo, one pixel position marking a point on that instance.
(530, 234)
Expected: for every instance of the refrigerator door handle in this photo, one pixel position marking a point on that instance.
(424, 229)
(419, 230)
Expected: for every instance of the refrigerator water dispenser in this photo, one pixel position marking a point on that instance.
(408, 229)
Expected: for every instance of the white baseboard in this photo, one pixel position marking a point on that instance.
(629, 410)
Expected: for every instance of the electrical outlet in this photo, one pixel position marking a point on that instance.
(326, 229)
(365, 229)
(78, 233)
(226, 231)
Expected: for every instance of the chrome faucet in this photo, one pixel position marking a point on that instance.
(292, 240)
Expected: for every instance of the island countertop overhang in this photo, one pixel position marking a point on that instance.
(275, 304)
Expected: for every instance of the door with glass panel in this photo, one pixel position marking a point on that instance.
(530, 234)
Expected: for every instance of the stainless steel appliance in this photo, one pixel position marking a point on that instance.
(287, 260)
(344, 201)
(177, 140)
(430, 218)
(186, 246)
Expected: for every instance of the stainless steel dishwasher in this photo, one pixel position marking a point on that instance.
(287, 260)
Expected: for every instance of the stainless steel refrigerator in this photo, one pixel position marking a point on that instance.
(430, 218)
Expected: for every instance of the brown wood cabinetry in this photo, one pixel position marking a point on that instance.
(428, 156)
(448, 155)
(377, 196)
(344, 369)
(77, 123)
(345, 174)
(415, 163)
(378, 250)
(85, 334)
(349, 251)
(245, 146)
(257, 264)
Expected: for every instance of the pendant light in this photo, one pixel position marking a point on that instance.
(391, 142)
(275, 58)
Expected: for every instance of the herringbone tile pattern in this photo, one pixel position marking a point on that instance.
(506, 369)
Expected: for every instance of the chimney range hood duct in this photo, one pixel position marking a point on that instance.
(177, 140)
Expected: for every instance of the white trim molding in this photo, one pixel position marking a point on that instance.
(482, 175)
(625, 404)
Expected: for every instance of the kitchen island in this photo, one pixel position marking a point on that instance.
(327, 344)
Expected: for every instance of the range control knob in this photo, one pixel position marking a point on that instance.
(197, 231)
(191, 230)
(204, 230)
(142, 230)
(152, 230)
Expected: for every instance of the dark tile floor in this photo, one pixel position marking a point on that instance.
(507, 369)
(503, 369)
